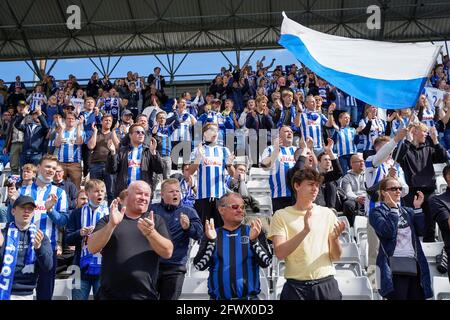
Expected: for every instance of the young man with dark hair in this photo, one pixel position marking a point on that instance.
(306, 236)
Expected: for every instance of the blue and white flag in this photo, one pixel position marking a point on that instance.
(384, 74)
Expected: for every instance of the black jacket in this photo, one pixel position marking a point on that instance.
(71, 191)
(260, 122)
(326, 196)
(440, 208)
(417, 163)
(34, 139)
(118, 164)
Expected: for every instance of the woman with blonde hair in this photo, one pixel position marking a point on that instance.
(403, 267)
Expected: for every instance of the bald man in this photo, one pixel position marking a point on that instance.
(132, 242)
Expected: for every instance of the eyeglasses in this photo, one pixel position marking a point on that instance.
(394, 189)
(139, 132)
(235, 206)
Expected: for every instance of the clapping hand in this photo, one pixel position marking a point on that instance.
(184, 221)
(116, 216)
(39, 236)
(338, 228)
(51, 201)
(255, 228)
(210, 231)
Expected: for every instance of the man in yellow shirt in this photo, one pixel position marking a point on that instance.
(306, 236)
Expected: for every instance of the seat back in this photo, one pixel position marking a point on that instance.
(441, 288)
(358, 288)
(265, 290)
(63, 289)
(194, 288)
(432, 249)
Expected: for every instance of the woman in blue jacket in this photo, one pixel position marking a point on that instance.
(398, 229)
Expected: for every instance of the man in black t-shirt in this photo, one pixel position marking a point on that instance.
(131, 241)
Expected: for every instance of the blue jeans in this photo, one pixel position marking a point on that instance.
(85, 289)
(97, 171)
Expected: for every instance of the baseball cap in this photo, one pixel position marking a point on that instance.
(127, 113)
(23, 200)
(69, 105)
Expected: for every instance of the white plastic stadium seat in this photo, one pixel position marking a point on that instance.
(345, 235)
(441, 288)
(193, 249)
(2, 225)
(259, 174)
(431, 250)
(265, 205)
(258, 188)
(350, 259)
(63, 289)
(278, 288)
(265, 291)
(195, 289)
(441, 185)
(359, 227)
(358, 288)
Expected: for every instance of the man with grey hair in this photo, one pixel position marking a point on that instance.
(131, 241)
(234, 253)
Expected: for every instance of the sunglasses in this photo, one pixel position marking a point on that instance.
(394, 189)
(139, 132)
(235, 206)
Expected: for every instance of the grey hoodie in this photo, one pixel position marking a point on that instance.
(353, 185)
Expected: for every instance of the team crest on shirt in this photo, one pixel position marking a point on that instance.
(245, 240)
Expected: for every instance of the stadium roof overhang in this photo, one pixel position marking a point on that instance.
(37, 29)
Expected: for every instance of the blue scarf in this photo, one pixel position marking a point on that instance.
(91, 263)
(10, 259)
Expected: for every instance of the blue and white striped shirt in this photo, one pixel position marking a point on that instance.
(41, 218)
(34, 100)
(69, 151)
(277, 175)
(211, 171)
(377, 129)
(134, 164)
(183, 133)
(312, 123)
(428, 116)
(345, 141)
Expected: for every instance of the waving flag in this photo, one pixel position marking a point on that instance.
(384, 74)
